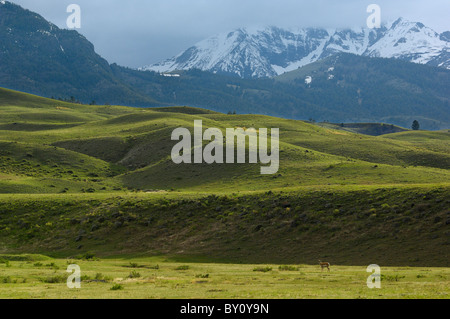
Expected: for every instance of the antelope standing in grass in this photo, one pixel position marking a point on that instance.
(324, 265)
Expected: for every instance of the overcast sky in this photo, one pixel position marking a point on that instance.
(135, 33)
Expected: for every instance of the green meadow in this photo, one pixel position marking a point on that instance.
(38, 277)
(78, 179)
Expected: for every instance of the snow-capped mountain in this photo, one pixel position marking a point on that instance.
(271, 51)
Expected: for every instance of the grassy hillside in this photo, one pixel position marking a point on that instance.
(111, 187)
(348, 225)
(47, 143)
(374, 129)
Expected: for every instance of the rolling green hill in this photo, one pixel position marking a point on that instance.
(45, 142)
(374, 129)
(60, 161)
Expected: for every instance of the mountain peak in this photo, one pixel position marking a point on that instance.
(269, 50)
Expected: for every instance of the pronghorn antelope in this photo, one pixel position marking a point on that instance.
(324, 265)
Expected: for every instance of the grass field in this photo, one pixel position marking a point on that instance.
(161, 278)
(76, 179)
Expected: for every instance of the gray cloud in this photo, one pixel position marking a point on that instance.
(137, 32)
